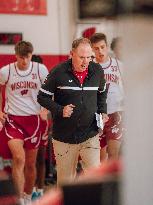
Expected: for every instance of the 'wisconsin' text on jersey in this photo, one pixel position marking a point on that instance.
(24, 84)
(111, 78)
(115, 96)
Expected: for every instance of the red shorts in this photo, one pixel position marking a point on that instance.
(44, 126)
(113, 128)
(26, 128)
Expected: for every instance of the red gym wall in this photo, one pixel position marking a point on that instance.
(49, 60)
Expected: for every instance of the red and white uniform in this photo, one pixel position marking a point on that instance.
(21, 101)
(22, 88)
(113, 128)
(113, 76)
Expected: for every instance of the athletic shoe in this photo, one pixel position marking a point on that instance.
(34, 196)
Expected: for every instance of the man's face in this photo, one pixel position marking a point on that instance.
(101, 51)
(23, 61)
(81, 56)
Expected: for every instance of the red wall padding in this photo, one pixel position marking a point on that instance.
(49, 60)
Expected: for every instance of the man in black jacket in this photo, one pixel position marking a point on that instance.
(79, 91)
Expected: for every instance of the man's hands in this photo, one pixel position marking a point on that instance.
(44, 114)
(2, 117)
(68, 110)
(105, 117)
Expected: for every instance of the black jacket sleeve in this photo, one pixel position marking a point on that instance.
(102, 94)
(46, 93)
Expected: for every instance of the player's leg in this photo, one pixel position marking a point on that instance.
(114, 135)
(30, 169)
(41, 155)
(41, 169)
(30, 173)
(15, 137)
(113, 149)
(31, 144)
(18, 162)
(103, 143)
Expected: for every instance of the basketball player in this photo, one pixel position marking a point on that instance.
(21, 120)
(112, 133)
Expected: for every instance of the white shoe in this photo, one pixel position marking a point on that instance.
(27, 199)
(21, 201)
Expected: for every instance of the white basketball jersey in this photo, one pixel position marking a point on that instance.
(112, 71)
(22, 88)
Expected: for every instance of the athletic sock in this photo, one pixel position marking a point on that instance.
(40, 192)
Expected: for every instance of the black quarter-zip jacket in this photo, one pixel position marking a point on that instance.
(88, 98)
